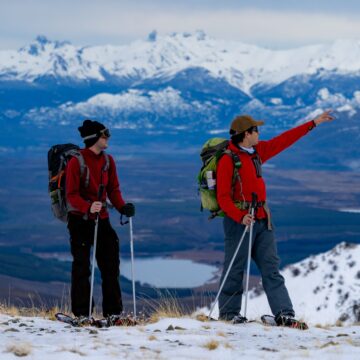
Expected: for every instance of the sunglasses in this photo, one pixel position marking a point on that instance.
(105, 133)
(253, 129)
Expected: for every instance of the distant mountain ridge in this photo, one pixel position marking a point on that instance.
(241, 65)
(180, 83)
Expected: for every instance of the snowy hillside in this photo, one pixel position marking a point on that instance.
(324, 288)
(184, 338)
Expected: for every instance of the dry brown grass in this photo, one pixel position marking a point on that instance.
(42, 310)
(321, 326)
(36, 306)
(211, 345)
(202, 318)
(19, 349)
(152, 337)
(220, 333)
(166, 307)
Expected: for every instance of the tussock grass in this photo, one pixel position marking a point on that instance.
(323, 326)
(166, 306)
(220, 333)
(202, 318)
(29, 311)
(36, 306)
(152, 337)
(19, 349)
(73, 350)
(211, 345)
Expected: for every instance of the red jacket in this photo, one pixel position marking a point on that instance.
(80, 197)
(249, 179)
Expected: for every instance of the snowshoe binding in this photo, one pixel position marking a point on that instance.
(284, 320)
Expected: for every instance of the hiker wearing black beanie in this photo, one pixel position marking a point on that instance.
(86, 203)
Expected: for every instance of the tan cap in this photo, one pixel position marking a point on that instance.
(244, 122)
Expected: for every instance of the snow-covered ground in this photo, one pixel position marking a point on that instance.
(325, 290)
(184, 338)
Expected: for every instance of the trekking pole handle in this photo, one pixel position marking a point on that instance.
(123, 222)
(253, 200)
(101, 191)
(99, 196)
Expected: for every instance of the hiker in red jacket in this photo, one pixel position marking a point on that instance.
(235, 203)
(84, 205)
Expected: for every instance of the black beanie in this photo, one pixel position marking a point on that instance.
(88, 128)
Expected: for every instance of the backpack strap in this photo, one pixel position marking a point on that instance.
(83, 167)
(237, 166)
(107, 162)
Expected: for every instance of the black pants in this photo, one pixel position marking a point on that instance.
(107, 257)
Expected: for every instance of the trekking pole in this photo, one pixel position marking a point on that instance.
(132, 264)
(100, 192)
(228, 271)
(253, 206)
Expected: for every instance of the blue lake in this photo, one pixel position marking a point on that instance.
(169, 273)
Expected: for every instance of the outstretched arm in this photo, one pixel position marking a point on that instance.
(270, 148)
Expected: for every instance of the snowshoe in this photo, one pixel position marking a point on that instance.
(120, 320)
(284, 320)
(74, 321)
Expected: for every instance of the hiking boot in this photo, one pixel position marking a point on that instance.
(234, 318)
(227, 317)
(238, 319)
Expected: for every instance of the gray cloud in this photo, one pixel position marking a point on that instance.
(271, 23)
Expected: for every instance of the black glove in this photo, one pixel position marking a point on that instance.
(128, 210)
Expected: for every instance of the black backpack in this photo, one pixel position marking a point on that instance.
(58, 158)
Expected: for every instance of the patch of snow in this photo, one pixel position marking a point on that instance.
(354, 211)
(276, 101)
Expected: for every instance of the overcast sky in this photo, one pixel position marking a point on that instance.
(270, 23)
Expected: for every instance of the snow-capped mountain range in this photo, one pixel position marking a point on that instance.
(173, 69)
(180, 82)
(241, 65)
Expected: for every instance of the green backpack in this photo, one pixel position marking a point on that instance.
(211, 152)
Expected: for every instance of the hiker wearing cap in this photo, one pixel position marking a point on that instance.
(235, 198)
(82, 194)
